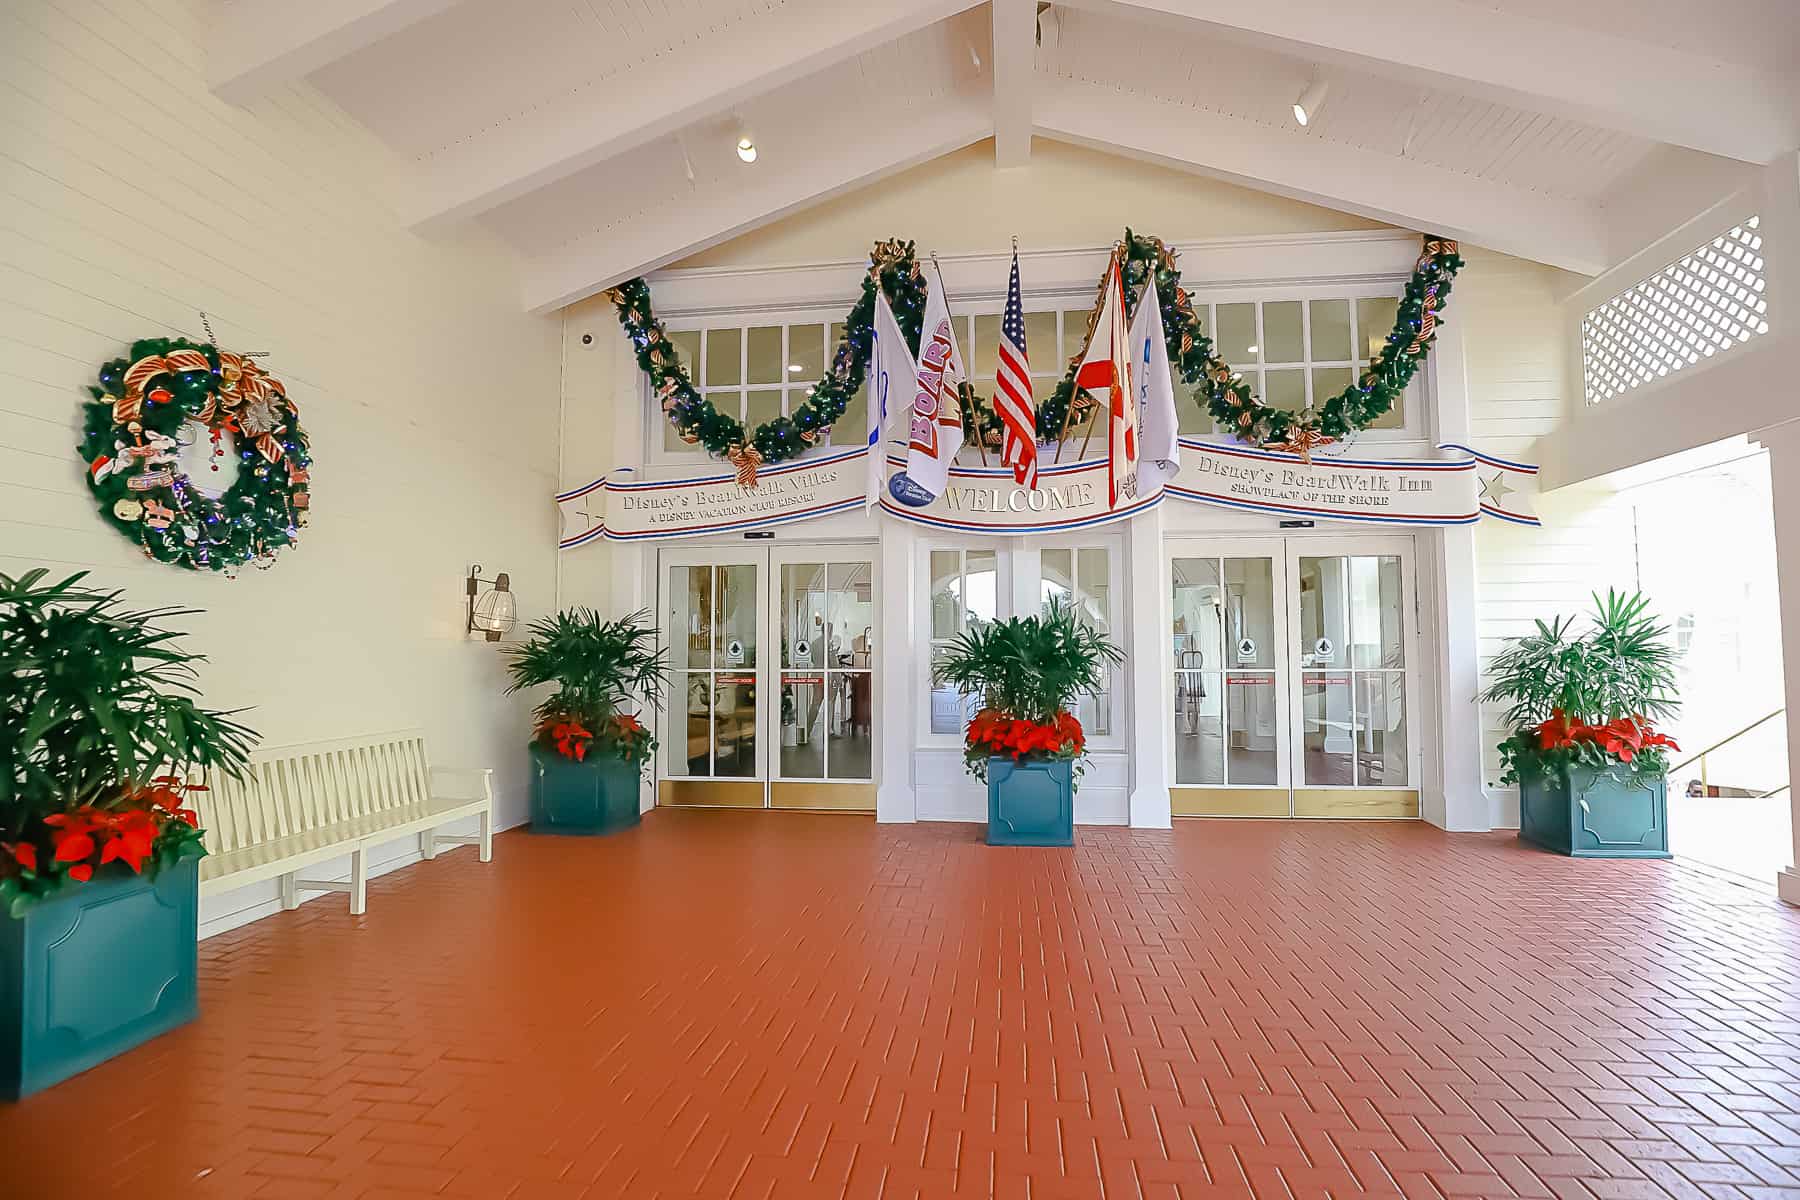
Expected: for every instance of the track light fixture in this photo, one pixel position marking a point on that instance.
(1311, 100)
(746, 146)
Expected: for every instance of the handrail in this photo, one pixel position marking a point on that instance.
(1726, 741)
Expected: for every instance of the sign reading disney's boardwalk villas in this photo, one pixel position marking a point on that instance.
(1457, 489)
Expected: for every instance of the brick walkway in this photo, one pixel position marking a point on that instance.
(757, 1005)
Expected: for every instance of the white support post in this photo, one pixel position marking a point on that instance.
(903, 665)
(359, 882)
(290, 893)
(1783, 443)
(1455, 798)
(487, 835)
(1149, 657)
(428, 841)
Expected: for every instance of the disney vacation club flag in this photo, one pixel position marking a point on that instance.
(1159, 443)
(892, 376)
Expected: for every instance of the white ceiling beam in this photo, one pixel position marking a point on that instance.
(1381, 187)
(666, 233)
(705, 79)
(1015, 54)
(256, 46)
(1474, 47)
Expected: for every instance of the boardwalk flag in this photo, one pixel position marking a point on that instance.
(892, 376)
(1158, 438)
(1012, 389)
(1105, 374)
(937, 427)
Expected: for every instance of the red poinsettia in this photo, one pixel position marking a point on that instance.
(998, 735)
(1624, 738)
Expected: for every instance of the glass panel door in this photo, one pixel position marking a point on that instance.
(1227, 613)
(712, 747)
(826, 623)
(1352, 674)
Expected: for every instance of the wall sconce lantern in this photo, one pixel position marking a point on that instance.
(491, 613)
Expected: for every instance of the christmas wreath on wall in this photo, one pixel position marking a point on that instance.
(164, 397)
(894, 268)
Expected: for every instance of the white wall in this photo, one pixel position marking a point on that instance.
(133, 199)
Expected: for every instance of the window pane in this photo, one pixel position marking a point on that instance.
(1040, 341)
(766, 364)
(761, 406)
(802, 615)
(1324, 613)
(1327, 728)
(736, 641)
(802, 712)
(1330, 330)
(946, 593)
(984, 356)
(1393, 418)
(852, 725)
(1282, 329)
(850, 613)
(806, 350)
(1375, 612)
(691, 616)
(734, 726)
(1191, 416)
(1074, 333)
(1249, 616)
(1094, 576)
(687, 344)
(1285, 388)
(1057, 567)
(1381, 728)
(692, 754)
(1198, 614)
(1328, 382)
(1236, 342)
(1199, 743)
(671, 441)
(1094, 711)
(1374, 321)
(724, 348)
(950, 710)
(981, 583)
(852, 429)
(1250, 727)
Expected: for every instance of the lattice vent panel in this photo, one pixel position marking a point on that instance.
(1708, 303)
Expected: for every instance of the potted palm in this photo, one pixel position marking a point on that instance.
(1589, 764)
(98, 847)
(1024, 743)
(590, 747)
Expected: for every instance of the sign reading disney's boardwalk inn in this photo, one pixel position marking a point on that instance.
(1457, 489)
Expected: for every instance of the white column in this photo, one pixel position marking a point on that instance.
(1149, 653)
(1783, 443)
(1455, 797)
(901, 669)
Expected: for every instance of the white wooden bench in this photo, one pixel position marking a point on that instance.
(298, 806)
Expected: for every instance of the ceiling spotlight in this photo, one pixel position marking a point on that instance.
(795, 368)
(746, 148)
(1310, 101)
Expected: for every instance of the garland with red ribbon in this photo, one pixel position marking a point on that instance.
(171, 389)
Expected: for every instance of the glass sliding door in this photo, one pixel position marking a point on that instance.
(712, 748)
(1352, 614)
(826, 621)
(1228, 613)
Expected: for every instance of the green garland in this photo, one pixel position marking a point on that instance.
(893, 267)
(131, 433)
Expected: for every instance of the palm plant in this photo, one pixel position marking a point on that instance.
(1622, 667)
(597, 667)
(1033, 667)
(101, 719)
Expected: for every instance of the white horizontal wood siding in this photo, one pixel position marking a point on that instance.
(130, 200)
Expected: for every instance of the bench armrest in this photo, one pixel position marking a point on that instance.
(464, 783)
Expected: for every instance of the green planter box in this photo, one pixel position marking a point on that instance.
(1031, 803)
(105, 966)
(1617, 813)
(592, 797)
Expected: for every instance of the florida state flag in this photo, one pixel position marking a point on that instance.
(1105, 374)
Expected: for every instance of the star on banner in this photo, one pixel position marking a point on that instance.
(1494, 489)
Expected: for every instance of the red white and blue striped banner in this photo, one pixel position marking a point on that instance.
(1458, 489)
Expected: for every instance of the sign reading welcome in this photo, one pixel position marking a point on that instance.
(1456, 490)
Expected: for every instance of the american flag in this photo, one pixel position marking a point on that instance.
(1012, 389)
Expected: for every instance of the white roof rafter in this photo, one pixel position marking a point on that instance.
(257, 46)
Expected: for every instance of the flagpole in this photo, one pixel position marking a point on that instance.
(974, 411)
(1069, 412)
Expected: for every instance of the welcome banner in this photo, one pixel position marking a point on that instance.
(1455, 490)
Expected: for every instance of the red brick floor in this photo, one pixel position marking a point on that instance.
(782, 1005)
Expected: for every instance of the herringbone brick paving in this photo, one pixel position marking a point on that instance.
(783, 1005)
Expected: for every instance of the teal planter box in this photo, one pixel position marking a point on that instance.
(596, 796)
(105, 966)
(1585, 813)
(1031, 803)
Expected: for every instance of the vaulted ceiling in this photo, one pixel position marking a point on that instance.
(599, 137)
